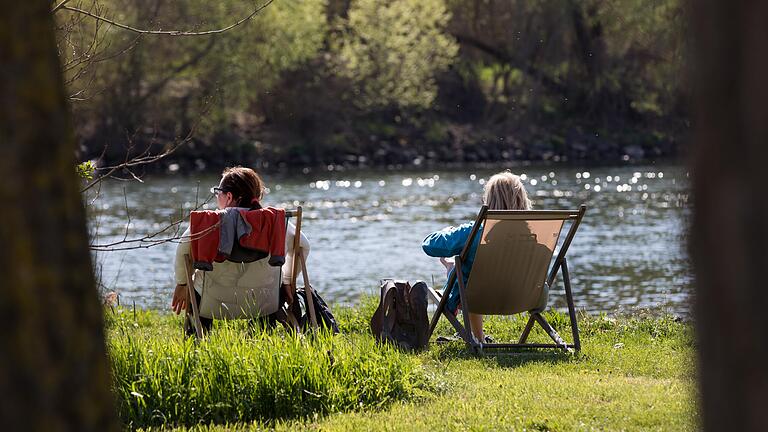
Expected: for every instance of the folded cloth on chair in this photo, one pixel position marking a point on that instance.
(265, 231)
(232, 227)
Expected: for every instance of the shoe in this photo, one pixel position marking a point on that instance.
(446, 339)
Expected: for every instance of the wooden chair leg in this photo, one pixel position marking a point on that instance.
(449, 316)
(436, 296)
(441, 302)
(307, 290)
(192, 299)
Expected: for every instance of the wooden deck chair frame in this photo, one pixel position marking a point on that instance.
(559, 265)
(298, 262)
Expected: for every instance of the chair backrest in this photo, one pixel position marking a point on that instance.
(510, 270)
(245, 302)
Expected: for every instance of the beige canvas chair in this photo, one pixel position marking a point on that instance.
(239, 302)
(513, 272)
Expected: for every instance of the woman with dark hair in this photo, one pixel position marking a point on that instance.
(232, 288)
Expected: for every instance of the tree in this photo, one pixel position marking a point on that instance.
(729, 232)
(133, 77)
(392, 52)
(54, 373)
(592, 59)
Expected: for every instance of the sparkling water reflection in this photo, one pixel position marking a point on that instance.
(363, 226)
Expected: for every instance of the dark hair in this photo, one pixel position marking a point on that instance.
(245, 185)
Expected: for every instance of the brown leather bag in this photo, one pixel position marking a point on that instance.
(401, 317)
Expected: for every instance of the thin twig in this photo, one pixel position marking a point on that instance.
(149, 240)
(164, 32)
(127, 213)
(59, 6)
(142, 159)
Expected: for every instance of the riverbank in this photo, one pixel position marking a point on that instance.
(633, 373)
(457, 146)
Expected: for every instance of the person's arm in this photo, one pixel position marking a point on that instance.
(181, 293)
(290, 234)
(447, 242)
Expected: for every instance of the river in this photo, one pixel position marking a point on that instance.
(629, 253)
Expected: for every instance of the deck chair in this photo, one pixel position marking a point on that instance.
(289, 319)
(513, 272)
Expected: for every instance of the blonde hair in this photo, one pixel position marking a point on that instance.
(505, 191)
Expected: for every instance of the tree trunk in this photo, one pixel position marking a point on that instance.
(54, 373)
(729, 232)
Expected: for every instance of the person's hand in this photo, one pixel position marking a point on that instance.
(286, 293)
(180, 298)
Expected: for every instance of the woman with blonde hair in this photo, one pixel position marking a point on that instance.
(503, 191)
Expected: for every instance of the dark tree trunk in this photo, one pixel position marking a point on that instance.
(730, 229)
(54, 373)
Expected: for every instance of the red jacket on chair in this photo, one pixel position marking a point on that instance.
(205, 231)
(263, 230)
(267, 232)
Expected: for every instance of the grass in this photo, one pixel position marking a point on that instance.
(633, 373)
(244, 373)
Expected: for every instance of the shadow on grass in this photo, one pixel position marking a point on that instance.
(508, 358)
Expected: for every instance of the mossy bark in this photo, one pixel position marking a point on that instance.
(730, 235)
(54, 373)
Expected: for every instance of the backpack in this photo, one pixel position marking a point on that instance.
(325, 318)
(401, 317)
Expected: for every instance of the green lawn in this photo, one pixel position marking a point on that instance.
(633, 373)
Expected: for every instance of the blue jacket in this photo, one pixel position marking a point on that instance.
(448, 243)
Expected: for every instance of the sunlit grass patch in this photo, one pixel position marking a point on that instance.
(242, 373)
(633, 373)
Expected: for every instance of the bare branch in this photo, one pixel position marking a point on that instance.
(143, 159)
(135, 177)
(163, 32)
(119, 52)
(150, 240)
(128, 213)
(59, 6)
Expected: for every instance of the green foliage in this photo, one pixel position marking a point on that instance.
(392, 51)
(86, 170)
(253, 59)
(317, 80)
(173, 83)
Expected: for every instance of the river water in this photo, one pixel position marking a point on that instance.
(629, 252)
